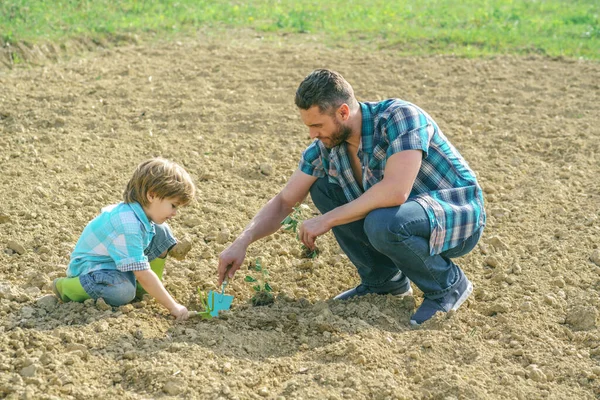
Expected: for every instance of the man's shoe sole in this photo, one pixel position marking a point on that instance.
(464, 297)
(456, 305)
(409, 292)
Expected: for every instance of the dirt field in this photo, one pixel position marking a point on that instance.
(71, 133)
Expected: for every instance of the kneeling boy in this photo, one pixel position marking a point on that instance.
(125, 246)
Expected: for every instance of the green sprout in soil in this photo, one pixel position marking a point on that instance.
(207, 306)
(291, 223)
(308, 253)
(262, 290)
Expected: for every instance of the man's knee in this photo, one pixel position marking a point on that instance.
(376, 227)
(396, 224)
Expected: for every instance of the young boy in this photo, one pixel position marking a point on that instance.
(129, 241)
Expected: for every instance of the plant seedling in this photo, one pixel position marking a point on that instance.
(207, 304)
(291, 222)
(308, 253)
(262, 290)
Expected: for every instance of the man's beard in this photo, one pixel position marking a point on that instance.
(339, 136)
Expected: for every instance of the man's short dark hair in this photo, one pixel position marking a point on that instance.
(324, 88)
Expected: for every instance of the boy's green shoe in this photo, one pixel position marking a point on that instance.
(69, 289)
(157, 266)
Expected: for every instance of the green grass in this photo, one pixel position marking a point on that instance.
(464, 27)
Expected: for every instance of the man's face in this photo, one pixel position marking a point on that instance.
(327, 127)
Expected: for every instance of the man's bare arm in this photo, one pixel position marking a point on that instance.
(265, 222)
(393, 190)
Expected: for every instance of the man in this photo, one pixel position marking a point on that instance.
(401, 200)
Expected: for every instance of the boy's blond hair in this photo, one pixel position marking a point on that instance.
(163, 178)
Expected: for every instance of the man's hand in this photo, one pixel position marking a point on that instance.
(267, 221)
(230, 260)
(179, 312)
(312, 228)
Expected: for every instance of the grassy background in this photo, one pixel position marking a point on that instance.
(463, 27)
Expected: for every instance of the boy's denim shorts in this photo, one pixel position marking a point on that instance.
(117, 287)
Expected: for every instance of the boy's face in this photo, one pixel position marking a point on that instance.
(159, 210)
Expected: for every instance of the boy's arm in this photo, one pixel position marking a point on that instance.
(150, 282)
(127, 251)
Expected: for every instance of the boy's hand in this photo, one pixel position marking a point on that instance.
(150, 282)
(180, 312)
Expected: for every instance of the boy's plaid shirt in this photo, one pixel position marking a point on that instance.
(445, 187)
(115, 239)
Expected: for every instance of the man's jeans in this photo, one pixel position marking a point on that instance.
(393, 239)
(118, 288)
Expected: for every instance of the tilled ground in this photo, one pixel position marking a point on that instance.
(71, 133)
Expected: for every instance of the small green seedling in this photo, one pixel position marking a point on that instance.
(206, 304)
(308, 253)
(262, 290)
(291, 222)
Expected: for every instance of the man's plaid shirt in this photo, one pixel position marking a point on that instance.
(115, 239)
(445, 186)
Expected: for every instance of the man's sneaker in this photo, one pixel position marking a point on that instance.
(396, 288)
(451, 301)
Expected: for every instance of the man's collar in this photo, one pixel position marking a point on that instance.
(367, 128)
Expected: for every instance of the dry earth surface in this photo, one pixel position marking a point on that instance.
(72, 131)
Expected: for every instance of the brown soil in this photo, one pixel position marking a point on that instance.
(72, 131)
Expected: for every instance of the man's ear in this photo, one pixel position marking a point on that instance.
(344, 112)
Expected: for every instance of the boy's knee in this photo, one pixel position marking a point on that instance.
(162, 241)
(162, 230)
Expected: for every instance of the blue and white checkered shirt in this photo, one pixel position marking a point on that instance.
(445, 186)
(115, 239)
